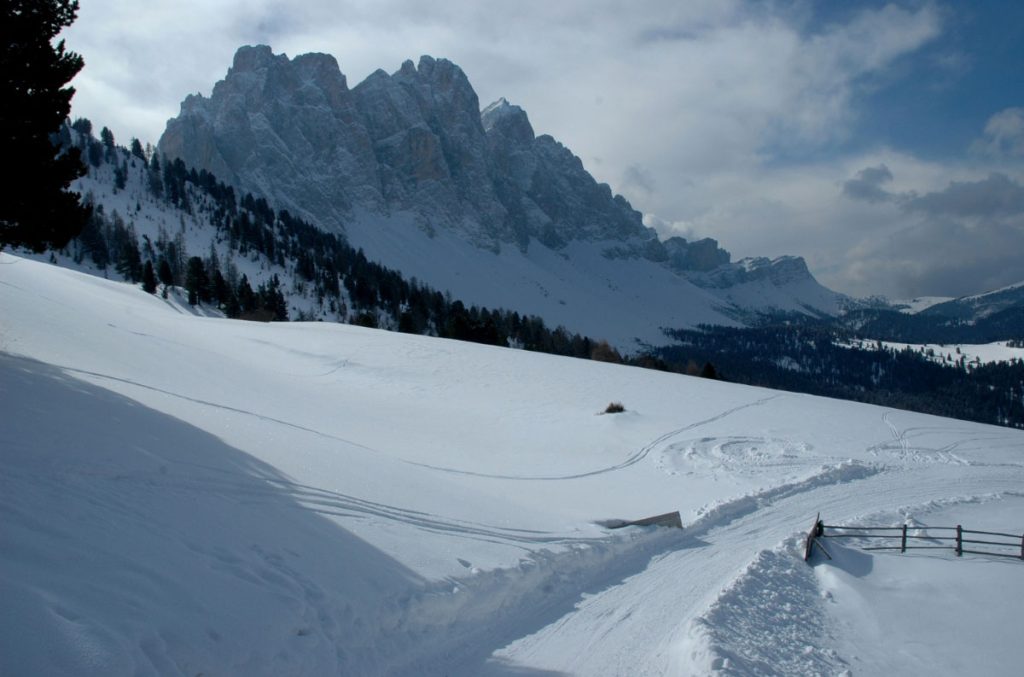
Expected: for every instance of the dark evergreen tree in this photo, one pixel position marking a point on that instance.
(36, 208)
(83, 126)
(107, 139)
(148, 278)
(125, 246)
(220, 289)
(156, 184)
(164, 272)
(137, 150)
(247, 301)
(93, 242)
(197, 282)
(94, 152)
(120, 177)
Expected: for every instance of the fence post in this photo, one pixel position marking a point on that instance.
(1022, 547)
(903, 543)
(959, 541)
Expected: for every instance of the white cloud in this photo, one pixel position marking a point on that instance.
(1003, 136)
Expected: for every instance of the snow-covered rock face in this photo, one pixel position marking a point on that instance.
(289, 130)
(700, 255)
(781, 271)
(409, 168)
(414, 141)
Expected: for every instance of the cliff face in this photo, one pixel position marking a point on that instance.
(407, 166)
(286, 129)
(413, 141)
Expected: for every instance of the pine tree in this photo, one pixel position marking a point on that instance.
(148, 278)
(197, 282)
(165, 273)
(156, 184)
(137, 149)
(93, 242)
(107, 137)
(36, 208)
(83, 126)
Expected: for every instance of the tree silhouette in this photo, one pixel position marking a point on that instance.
(36, 208)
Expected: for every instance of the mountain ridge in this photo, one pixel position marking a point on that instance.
(410, 169)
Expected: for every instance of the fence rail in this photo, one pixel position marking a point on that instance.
(904, 538)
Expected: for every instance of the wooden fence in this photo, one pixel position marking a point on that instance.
(903, 538)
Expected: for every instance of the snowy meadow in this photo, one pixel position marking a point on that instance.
(193, 495)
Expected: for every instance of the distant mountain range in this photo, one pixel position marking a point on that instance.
(996, 315)
(979, 306)
(410, 170)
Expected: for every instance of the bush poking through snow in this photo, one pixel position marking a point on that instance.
(614, 408)
(603, 352)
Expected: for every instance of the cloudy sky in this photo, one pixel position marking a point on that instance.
(882, 141)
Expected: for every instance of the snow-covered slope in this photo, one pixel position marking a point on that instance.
(919, 303)
(973, 308)
(186, 495)
(154, 222)
(951, 353)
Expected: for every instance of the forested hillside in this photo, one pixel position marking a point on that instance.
(822, 360)
(234, 253)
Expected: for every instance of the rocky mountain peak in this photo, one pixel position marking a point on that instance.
(700, 255)
(412, 150)
(509, 121)
(413, 141)
(252, 58)
(322, 71)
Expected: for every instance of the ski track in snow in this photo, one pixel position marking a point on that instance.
(635, 458)
(632, 460)
(216, 405)
(901, 449)
(325, 502)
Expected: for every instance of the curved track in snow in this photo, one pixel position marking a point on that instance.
(633, 459)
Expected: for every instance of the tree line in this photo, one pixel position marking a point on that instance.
(819, 359)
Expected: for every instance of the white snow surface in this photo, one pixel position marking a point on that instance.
(950, 353)
(919, 303)
(194, 495)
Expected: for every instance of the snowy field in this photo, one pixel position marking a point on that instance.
(950, 353)
(192, 495)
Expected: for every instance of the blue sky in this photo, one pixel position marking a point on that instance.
(882, 141)
(933, 101)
